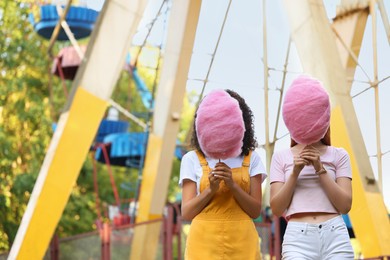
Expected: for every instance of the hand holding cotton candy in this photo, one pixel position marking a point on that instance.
(306, 110)
(220, 125)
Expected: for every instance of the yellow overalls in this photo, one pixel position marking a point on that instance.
(223, 230)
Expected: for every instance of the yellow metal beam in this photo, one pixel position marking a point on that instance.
(146, 235)
(317, 49)
(349, 30)
(58, 175)
(369, 225)
(369, 214)
(161, 145)
(92, 88)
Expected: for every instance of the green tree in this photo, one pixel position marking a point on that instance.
(27, 113)
(25, 126)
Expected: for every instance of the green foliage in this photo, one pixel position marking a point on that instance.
(28, 108)
(25, 126)
(26, 117)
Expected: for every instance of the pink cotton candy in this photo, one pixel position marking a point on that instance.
(306, 110)
(220, 125)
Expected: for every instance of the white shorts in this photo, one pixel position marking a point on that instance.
(327, 240)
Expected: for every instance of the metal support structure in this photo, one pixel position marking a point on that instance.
(54, 248)
(69, 33)
(98, 74)
(78, 123)
(57, 28)
(161, 144)
(315, 42)
(349, 41)
(277, 239)
(375, 85)
(105, 240)
(168, 233)
(385, 18)
(269, 147)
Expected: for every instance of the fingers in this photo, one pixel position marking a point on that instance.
(221, 169)
(310, 150)
(214, 182)
(221, 166)
(310, 153)
(301, 161)
(310, 147)
(225, 176)
(213, 177)
(223, 172)
(220, 176)
(310, 156)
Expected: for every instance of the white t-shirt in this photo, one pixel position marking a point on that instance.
(192, 170)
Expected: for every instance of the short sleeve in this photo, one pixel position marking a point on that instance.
(277, 173)
(343, 164)
(257, 166)
(187, 168)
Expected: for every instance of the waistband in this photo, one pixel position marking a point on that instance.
(234, 216)
(329, 224)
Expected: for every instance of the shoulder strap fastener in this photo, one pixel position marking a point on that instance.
(247, 160)
(201, 158)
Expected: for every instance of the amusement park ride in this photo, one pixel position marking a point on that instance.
(336, 44)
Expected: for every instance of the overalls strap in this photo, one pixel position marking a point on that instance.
(247, 160)
(203, 161)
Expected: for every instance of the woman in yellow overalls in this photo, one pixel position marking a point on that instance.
(222, 197)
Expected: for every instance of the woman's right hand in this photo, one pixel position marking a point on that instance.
(299, 163)
(214, 182)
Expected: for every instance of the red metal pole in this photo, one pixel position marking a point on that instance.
(277, 249)
(177, 229)
(168, 233)
(62, 77)
(105, 236)
(114, 189)
(54, 248)
(95, 187)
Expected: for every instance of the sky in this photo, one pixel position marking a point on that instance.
(238, 65)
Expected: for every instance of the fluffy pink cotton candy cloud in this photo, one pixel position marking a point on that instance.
(306, 110)
(220, 125)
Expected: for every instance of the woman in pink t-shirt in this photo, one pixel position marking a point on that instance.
(311, 181)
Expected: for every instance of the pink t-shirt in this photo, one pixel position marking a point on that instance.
(309, 196)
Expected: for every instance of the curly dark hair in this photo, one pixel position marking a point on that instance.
(249, 141)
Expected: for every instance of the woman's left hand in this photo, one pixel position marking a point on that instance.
(223, 172)
(312, 154)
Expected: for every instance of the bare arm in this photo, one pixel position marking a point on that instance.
(193, 204)
(250, 203)
(282, 193)
(339, 192)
